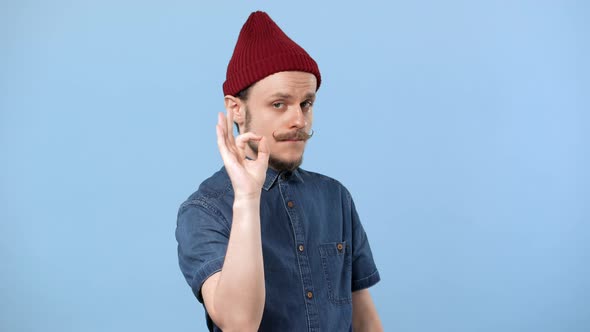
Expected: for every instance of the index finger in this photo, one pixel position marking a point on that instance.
(229, 124)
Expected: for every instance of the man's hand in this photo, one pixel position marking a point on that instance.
(247, 176)
(235, 296)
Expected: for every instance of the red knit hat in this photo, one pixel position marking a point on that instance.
(262, 50)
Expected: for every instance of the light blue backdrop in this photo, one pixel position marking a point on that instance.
(460, 127)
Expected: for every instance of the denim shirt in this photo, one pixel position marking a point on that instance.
(315, 250)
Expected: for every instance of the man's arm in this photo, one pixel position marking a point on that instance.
(234, 297)
(364, 313)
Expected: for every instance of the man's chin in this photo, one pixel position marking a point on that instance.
(284, 165)
(279, 164)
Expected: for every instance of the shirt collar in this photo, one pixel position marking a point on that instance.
(272, 176)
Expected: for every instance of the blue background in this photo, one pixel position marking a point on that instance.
(461, 129)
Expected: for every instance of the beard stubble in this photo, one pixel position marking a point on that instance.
(273, 162)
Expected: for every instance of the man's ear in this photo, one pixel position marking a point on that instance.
(238, 107)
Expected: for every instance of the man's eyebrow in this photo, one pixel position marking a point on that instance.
(310, 95)
(280, 95)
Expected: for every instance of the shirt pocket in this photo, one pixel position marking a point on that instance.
(337, 265)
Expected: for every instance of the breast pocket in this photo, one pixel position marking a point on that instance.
(337, 265)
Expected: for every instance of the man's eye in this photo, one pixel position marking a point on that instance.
(277, 105)
(306, 104)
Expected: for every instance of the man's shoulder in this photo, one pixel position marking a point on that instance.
(215, 188)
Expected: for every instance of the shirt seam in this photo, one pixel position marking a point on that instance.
(200, 202)
(207, 270)
(360, 283)
(367, 277)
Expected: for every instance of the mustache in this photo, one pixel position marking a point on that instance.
(293, 135)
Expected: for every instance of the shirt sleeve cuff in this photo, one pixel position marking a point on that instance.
(204, 273)
(366, 282)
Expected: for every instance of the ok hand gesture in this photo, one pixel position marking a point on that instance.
(247, 176)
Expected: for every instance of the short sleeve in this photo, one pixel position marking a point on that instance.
(202, 234)
(364, 270)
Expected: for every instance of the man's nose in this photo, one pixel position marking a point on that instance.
(298, 118)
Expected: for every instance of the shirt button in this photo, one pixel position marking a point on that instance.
(301, 247)
(290, 204)
(339, 246)
(309, 295)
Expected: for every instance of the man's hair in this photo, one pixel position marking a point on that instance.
(243, 96)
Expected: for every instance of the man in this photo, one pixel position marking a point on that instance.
(264, 244)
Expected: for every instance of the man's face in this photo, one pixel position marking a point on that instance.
(279, 107)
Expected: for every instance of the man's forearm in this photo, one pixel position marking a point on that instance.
(240, 291)
(364, 313)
